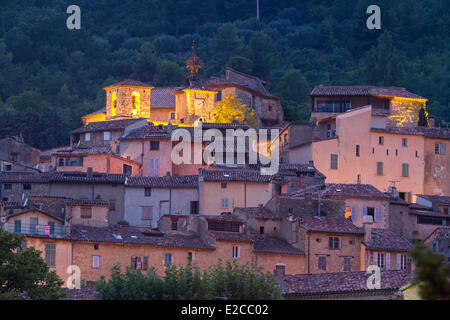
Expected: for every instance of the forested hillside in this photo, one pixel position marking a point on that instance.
(50, 76)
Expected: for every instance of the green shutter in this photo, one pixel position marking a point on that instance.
(17, 226)
(380, 168)
(334, 161)
(52, 227)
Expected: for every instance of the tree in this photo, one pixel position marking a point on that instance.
(241, 64)
(423, 118)
(262, 52)
(146, 64)
(432, 275)
(232, 281)
(370, 70)
(23, 271)
(232, 109)
(169, 73)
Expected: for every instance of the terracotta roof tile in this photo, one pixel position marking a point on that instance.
(163, 97)
(86, 202)
(434, 133)
(113, 125)
(258, 213)
(240, 175)
(332, 224)
(129, 82)
(267, 244)
(136, 235)
(149, 131)
(164, 182)
(445, 200)
(322, 90)
(224, 218)
(331, 190)
(383, 239)
(342, 282)
(231, 236)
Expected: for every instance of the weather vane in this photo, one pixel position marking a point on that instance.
(193, 65)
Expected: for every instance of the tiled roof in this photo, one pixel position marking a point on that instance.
(258, 213)
(164, 182)
(11, 204)
(396, 200)
(434, 133)
(84, 149)
(445, 200)
(366, 191)
(84, 177)
(37, 210)
(440, 233)
(331, 224)
(136, 235)
(86, 202)
(102, 110)
(224, 218)
(427, 212)
(149, 131)
(129, 82)
(113, 125)
(300, 168)
(341, 282)
(383, 239)
(30, 177)
(231, 236)
(240, 175)
(163, 97)
(322, 90)
(267, 244)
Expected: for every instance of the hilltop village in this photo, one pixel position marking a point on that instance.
(354, 188)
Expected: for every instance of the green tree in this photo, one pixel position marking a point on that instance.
(262, 52)
(432, 275)
(146, 63)
(370, 69)
(169, 73)
(241, 64)
(23, 271)
(423, 118)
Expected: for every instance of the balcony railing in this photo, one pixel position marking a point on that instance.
(36, 229)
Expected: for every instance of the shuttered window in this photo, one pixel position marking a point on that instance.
(17, 226)
(379, 168)
(334, 161)
(86, 212)
(236, 253)
(405, 170)
(50, 254)
(154, 167)
(194, 207)
(322, 263)
(52, 227)
(347, 264)
(95, 262)
(167, 259)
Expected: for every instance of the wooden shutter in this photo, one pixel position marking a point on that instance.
(388, 261)
(52, 227)
(380, 168)
(133, 262)
(399, 261)
(405, 170)
(354, 214)
(364, 211)
(377, 214)
(375, 258)
(17, 226)
(145, 267)
(443, 147)
(409, 197)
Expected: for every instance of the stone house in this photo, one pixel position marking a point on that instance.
(15, 152)
(439, 242)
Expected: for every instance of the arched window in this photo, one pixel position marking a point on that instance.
(135, 103)
(113, 103)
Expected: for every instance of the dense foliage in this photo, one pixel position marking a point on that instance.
(23, 272)
(432, 274)
(50, 76)
(232, 281)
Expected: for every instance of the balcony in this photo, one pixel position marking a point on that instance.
(36, 229)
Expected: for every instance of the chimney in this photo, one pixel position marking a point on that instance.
(89, 172)
(431, 122)
(394, 193)
(279, 272)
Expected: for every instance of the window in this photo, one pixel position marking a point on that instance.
(27, 186)
(348, 212)
(358, 179)
(223, 226)
(333, 243)
(8, 167)
(322, 263)
(446, 210)
(127, 170)
(236, 253)
(154, 145)
(17, 226)
(404, 142)
(439, 148)
(7, 186)
(194, 207)
(380, 140)
(167, 259)
(148, 192)
(405, 170)
(52, 227)
(380, 260)
(379, 168)
(261, 230)
(190, 257)
(154, 167)
(333, 106)
(437, 172)
(86, 212)
(387, 152)
(396, 152)
(430, 220)
(371, 212)
(402, 261)
(87, 137)
(139, 262)
(147, 214)
(95, 262)
(50, 254)
(112, 205)
(174, 225)
(219, 95)
(334, 161)
(347, 264)
(106, 136)
(34, 225)
(224, 203)
(417, 154)
(172, 116)
(357, 150)
(223, 186)
(61, 162)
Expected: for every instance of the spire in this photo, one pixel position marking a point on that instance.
(193, 65)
